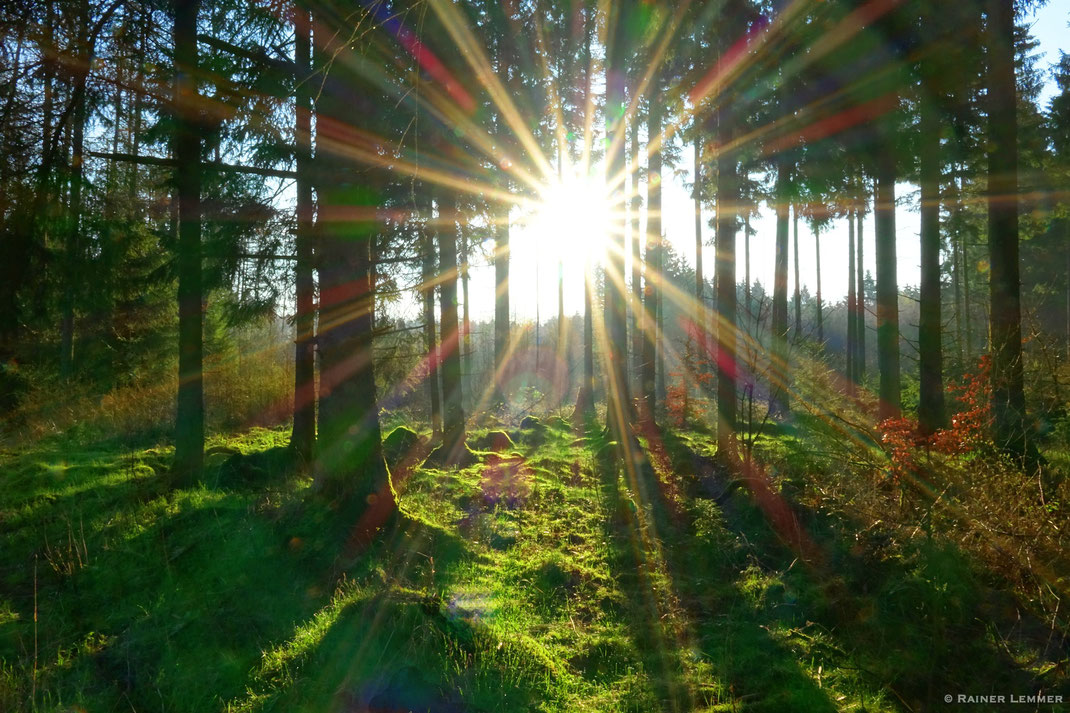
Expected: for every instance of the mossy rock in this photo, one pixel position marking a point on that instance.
(400, 445)
(531, 423)
(496, 441)
(559, 424)
(255, 469)
(460, 457)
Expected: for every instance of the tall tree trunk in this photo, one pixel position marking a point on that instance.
(618, 392)
(427, 275)
(727, 204)
(958, 269)
(466, 317)
(700, 296)
(585, 398)
(72, 256)
(501, 301)
(637, 258)
(1008, 394)
(860, 295)
(747, 313)
(781, 402)
(798, 284)
(652, 285)
(187, 141)
(303, 436)
(852, 305)
(453, 419)
(967, 301)
(930, 350)
(350, 465)
(820, 309)
(887, 287)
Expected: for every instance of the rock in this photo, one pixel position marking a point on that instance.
(400, 445)
(530, 422)
(496, 441)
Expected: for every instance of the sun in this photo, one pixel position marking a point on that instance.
(571, 221)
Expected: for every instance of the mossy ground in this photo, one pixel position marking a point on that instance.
(531, 580)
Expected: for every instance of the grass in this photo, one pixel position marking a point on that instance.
(531, 580)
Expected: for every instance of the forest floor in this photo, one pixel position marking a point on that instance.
(531, 580)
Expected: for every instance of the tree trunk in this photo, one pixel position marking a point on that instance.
(303, 436)
(427, 275)
(700, 305)
(466, 322)
(781, 402)
(72, 256)
(651, 287)
(748, 315)
(798, 287)
(727, 204)
(820, 310)
(852, 322)
(887, 287)
(1008, 395)
(453, 420)
(350, 467)
(930, 351)
(617, 393)
(958, 269)
(501, 302)
(637, 260)
(860, 295)
(189, 414)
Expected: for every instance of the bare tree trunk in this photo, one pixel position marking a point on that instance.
(651, 288)
(727, 203)
(303, 436)
(453, 421)
(72, 256)
(746, 268)
(852, 322)
(466, 321)
(350, 467)
(930, 349)
(1005, 326)
(887, 287)
(860, 295)
(781, 375)
(189, 415)
(700, 305)
(501, 301)
(618, 392)
(820, 310)
(637, 260)
(798, 288)
(427, 275)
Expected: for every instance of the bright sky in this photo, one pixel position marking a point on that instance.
(534, 264)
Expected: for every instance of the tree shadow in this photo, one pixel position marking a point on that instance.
(666, 576)
(919, 624)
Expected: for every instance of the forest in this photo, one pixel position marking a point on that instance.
(464, 355)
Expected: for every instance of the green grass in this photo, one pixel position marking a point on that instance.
(532, 580)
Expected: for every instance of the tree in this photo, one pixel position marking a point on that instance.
(727, 202)
(617, 392)
(186, 148)
(648, 324)
(1005, 326)
(887, 286)
(303, 435)
(350, 467)
(453, 418)
(781, 372)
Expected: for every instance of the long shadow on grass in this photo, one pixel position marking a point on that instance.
(917, 626)
(752, 669)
